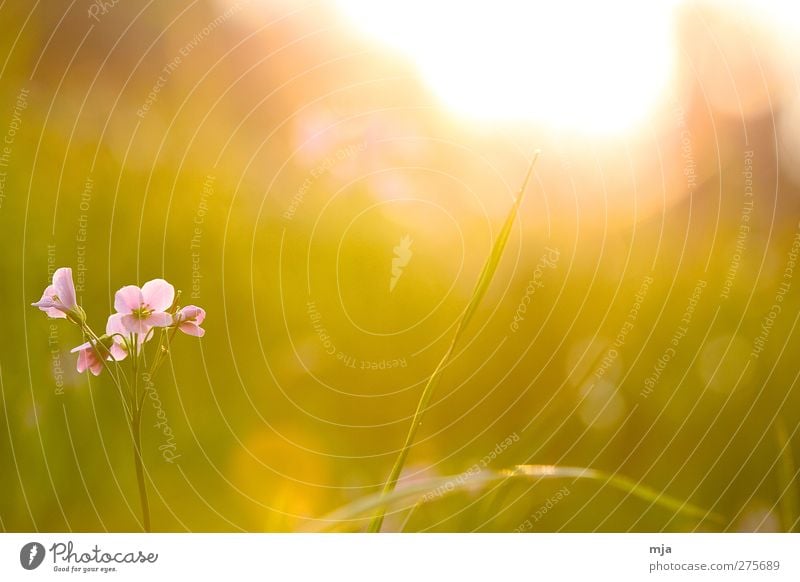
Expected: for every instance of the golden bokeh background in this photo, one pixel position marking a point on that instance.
(268, 157)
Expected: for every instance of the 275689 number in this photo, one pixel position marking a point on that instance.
(767, 565)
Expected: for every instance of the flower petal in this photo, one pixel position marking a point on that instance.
(65, 289)
(49, 305)
(114, 325)
(133, 324)
(95, 365)
(117, 327)
(82, 362)
(80, 348)
(158, 294)
(88, 360)
(127, 299)
(54, 313)
(190, 328)
(117, 352)
(158, 319)
(192, 313)
(46, 301)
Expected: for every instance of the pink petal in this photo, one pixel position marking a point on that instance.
(118, 353)
(158, 319)
(47, 298)
(96, 366)
(55, 313)
(158, 294)
(82, 362)
(114, 325)
(48, 305)
(133, 324)
(88, 360)
(192, 313)
(191, 328)
(65, 289)
(127, 299)
(82, 347)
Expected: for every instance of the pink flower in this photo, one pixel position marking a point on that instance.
(121, 335)
(143, 309)
(189, 318)
(88, 359)
(58, 300)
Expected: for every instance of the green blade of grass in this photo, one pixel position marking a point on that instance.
(490, 267)
(628, 485)
(354, 513)
(787, 485)
(485, 279)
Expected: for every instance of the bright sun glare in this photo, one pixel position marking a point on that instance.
(586, 67)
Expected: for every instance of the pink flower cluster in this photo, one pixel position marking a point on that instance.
(139, 312)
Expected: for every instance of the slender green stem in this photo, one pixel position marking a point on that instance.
(137, 459)
(162, 350)
(135, 364)
(138, 364)
(416, 422)
(132, 405)
(103, 353)
(489, 269)
(420, 492)
(136, 432)
(787, 474)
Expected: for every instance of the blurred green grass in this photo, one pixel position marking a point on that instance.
(272, 430)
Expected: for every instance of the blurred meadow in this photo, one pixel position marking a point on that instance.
(327, 178)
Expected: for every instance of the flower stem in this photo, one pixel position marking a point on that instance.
(132, 405)
(481, 286)
(161, 350)
(103, 353)
(137, 460)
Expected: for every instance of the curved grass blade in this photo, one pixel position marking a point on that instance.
(787, 483)
(485, 279)
(354, 514)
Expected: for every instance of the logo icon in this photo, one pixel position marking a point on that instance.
(402, 256)
(31, 555)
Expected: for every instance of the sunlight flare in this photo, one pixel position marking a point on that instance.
(575, 66)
